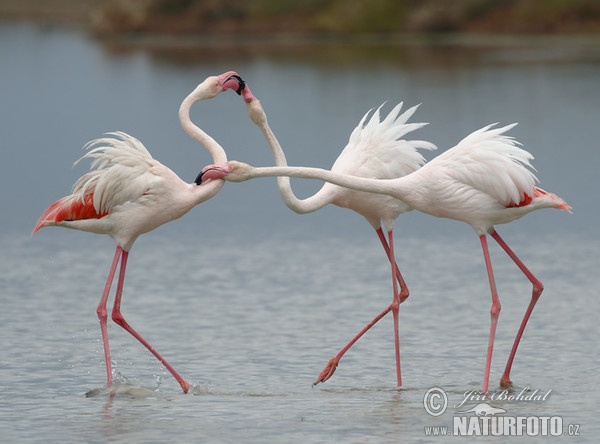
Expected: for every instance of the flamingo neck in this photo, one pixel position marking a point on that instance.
(276, 148)
(216, 151)
(307, 205)
(400, 188)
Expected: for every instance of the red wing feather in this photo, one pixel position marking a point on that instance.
(537, 193)
(69, 208)
(526, 200)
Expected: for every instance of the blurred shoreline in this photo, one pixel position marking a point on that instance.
(380, 21)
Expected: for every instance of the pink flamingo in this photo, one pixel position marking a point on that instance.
(130, 193)
(483, 181)
(376, 150)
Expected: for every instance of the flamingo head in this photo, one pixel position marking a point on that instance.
(212, 172)
(232, 80)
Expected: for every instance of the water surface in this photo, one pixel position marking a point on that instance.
(249, 300)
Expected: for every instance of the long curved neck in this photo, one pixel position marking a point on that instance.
(216, 151)
(398, 188)
(310, 204)
(206, 191)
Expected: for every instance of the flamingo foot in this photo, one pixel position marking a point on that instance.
(185, 385)
(328, 371)
(505, 381)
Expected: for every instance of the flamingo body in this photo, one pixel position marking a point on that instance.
(375, 149)
(486, 179)
(127, 193)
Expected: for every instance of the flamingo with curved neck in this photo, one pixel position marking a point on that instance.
(376, 150)
(130, 193)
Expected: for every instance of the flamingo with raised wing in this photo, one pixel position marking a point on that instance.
(375, 149)
(483, 181)
(128, 193)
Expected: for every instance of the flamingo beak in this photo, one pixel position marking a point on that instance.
(236, 83)
(212, 172)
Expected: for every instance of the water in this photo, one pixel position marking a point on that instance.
(249, 300)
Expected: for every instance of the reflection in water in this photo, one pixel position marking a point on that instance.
(122, 389)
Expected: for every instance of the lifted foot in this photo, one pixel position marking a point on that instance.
(328, 371)
(185, 386)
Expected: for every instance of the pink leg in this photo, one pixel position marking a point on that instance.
(404, 293)
(395, 309)
(494, 312)
(536, 293)
(103, 315)
(331, 366)
(119, 319)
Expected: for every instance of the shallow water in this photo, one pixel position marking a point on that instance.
(248, 300)
(251, 336)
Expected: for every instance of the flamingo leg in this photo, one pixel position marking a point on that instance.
(120, 320)
(538, 287)
(399, 297)
(103, 314)
(395, 306)
(494, 311)
(404, 293)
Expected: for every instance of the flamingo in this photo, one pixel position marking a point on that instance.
(375, 149)
(127, 193)
(485, 180)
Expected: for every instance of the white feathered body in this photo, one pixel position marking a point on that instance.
(484, 180)
(127, 193)
(376, 150)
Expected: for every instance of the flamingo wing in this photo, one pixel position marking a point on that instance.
(492, 162)
(376, 148)
(121, 172)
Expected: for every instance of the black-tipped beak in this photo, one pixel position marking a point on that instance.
(213, 172)
(198, 180)
(241, 84)
(206, 172)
